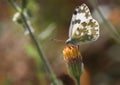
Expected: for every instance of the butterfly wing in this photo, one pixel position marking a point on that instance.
(83, 27)
(87, 31)
(81, 13)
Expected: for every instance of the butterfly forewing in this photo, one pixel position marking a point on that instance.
(83, 27)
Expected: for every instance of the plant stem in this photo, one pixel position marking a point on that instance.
(27, 26)
(45, 61)
(78, 80)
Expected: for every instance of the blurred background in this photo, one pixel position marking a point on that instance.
(20, 63)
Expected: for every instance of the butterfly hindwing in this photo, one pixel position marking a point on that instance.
(86, 31)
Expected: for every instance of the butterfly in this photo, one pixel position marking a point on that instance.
(83, 28)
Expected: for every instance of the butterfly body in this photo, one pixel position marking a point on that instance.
(83, 28)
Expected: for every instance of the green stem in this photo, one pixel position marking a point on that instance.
(107, 23)
(75, 70)
(44, 59)
(78, 80)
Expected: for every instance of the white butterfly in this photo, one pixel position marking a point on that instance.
(83, 28)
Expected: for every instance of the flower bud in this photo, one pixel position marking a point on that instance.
(74, 60)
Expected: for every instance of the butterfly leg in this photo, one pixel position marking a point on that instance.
(78, 46)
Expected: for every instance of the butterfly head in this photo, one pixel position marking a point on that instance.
(72, 41)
